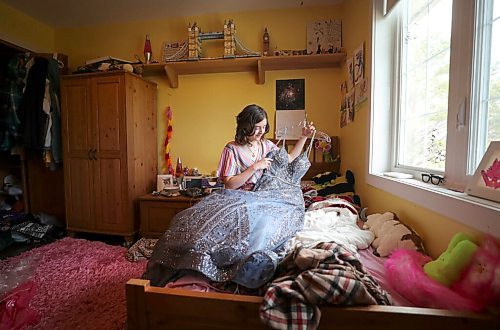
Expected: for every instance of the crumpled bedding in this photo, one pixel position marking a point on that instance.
(332, 220)
(310, 277)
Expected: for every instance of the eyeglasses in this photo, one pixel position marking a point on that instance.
(432, 178)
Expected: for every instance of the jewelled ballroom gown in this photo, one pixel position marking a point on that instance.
(233, 235)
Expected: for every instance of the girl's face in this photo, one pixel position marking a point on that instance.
(260, 129)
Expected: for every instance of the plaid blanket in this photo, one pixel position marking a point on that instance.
(309, 278)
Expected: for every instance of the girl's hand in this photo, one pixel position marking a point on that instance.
(262, 164)
(308, 129)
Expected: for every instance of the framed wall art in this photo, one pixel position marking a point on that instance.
(290, 94)
(486, 180)
(324, 36)
(290, 108)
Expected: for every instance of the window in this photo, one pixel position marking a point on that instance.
(435, 99)
(423, 116)
(485, 122)
(423, 110)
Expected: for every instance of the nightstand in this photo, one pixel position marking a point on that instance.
(158, 211)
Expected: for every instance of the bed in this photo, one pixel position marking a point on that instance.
(150, 307)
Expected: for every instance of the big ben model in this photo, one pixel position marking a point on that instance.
(265, 40)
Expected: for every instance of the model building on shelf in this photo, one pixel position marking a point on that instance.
(192, 50)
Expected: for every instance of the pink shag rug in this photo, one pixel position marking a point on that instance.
(80, 284)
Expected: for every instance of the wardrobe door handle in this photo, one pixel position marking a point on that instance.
(95, 151)
(89, 154)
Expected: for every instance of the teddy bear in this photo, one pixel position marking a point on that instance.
(391, 234)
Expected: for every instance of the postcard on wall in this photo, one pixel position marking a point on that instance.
(343, 89)
(350, 115)
(360, 93)
(290, 94)
(346, 117)
(347, 111)
(359, 64)
(343, 93)
(343, 118)
(289, 124)
(350, 72)
(324, 36)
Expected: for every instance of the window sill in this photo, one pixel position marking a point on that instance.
(477, 213)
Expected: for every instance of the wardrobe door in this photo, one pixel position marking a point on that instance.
(78, 153)
(110, 174)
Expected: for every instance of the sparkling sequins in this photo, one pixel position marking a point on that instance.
(218, 234)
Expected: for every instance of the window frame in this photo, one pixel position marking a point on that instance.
(475, 212)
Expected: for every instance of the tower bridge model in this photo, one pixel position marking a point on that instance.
(192, 50)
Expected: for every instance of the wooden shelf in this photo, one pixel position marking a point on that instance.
(259, 65)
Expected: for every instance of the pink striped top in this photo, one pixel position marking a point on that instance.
(235, 159)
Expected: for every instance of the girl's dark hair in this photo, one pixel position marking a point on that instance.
(246, 121)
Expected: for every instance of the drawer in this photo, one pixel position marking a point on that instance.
(157, 215)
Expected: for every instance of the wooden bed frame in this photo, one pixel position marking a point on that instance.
(150, 307)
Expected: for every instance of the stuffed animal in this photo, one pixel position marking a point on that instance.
(391, 234)
(404, 271)
(480, 280)
(447, 268)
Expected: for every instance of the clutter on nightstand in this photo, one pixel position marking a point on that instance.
(190, 181)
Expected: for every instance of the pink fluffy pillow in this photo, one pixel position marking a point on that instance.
(480, 281)
(404, 270)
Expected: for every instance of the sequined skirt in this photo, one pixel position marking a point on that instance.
(225, 230)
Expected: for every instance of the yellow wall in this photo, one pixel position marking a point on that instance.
(17, 28)
(205, 105)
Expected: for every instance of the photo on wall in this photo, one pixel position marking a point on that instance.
(290, 94)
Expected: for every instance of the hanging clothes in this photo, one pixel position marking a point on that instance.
(33, 120)
(11, 93)
(40, 113)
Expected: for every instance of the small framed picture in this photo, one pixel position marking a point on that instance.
(164, 181)
(290, 94)
(486, 180)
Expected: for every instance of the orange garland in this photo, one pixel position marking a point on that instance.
(168, 161)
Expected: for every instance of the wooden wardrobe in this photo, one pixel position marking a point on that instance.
(110, 153)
